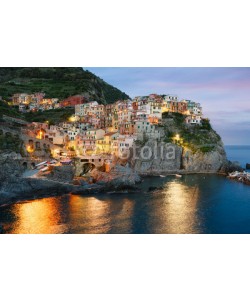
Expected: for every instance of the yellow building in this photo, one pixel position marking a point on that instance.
(104, 145)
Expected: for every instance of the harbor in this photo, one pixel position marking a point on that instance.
(243, 177)
(172, 205)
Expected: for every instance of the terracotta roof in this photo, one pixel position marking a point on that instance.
(110, 133)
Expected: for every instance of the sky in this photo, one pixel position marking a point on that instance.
(224, 93)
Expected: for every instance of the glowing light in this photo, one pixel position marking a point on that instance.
(179, 208)
(39, 135)
(177, 137)
(30, 149)
(39, 217)
(98, 214)
(72, 119)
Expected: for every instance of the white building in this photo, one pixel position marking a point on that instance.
(93, 134)
(193, 119)
(73, 132)
(124, 145)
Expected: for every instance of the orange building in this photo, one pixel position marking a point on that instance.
(73, 100)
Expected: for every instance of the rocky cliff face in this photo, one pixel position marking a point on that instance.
(156, 158)
(169, 158)
(204, 162)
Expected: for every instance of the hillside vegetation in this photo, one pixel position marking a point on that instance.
(201, 138)
(10, 111)
(53, 116)
(57, 83)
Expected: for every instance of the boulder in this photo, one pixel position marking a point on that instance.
(154, 188)
(119, 177)
(229, 167)
(61, 174)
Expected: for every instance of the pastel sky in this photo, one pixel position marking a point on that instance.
(223, 92)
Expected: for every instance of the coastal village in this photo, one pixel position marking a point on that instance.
(97, 131)
(89, 151)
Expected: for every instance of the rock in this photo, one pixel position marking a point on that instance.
(118, 178)
(169, 158)
(154, 188)
(85, 190)
(164, 158)
(61, 174)
(12, 155)
(210, 162)
(26, 188)
(76, 181)
(10, 168)
(101, 182)
(248, 166)
(83, 182)
(229, 167)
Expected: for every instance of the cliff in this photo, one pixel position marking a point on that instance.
(179, 160)
(181, 148)
(156, 158)
(209, 162)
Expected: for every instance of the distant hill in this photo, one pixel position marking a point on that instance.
(57, 83)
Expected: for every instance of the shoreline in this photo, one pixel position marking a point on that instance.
(97, 189)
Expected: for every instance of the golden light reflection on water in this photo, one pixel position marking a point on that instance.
(171, 210)
(179, 209)
(92, 215)
(40, 216)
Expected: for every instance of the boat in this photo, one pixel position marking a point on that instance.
(234, 174)
(40, 164)
(44, 169)
(178, 175)
(162, 176)
(53, 161)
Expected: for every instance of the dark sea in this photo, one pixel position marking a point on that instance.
(239, 153)
(191, 204)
